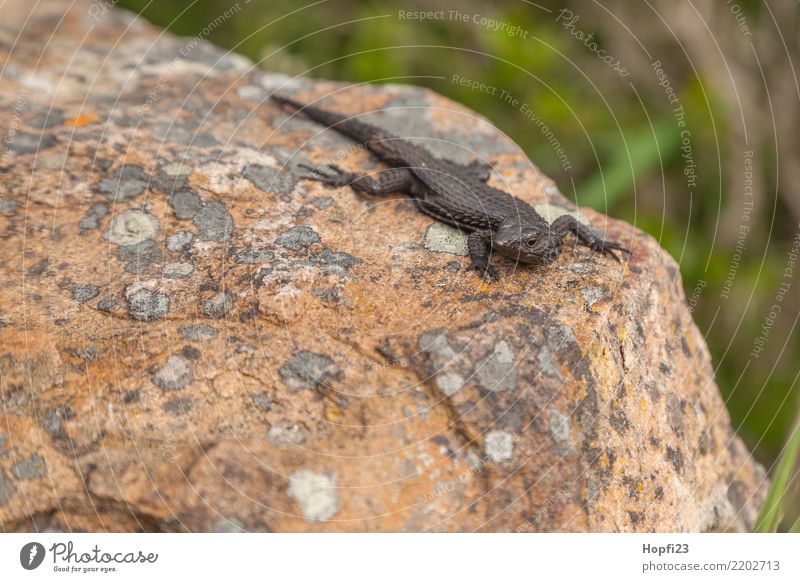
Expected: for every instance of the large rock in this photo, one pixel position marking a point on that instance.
(194, 338)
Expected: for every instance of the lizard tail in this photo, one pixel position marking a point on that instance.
(361, 132)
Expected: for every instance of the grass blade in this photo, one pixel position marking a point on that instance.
(771, 512)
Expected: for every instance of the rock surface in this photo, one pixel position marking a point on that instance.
(195, 338)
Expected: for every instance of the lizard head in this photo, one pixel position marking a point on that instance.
(527, 242)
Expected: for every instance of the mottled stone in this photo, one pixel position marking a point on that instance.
(356, 377)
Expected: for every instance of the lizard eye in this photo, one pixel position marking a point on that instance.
(531, 241)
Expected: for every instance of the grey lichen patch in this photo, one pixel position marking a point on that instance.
(178, 270)
(180, 241)
(499, 446)
(334, 263)
(316, 494)
(175, 374)
(185, 204)
(214, 222)
(26, 143)
(559, 426)
(140, 256)
(592, 295)
(144, 304)
(84, 293)
(269, 179)
(131, 227)
(128, 182)
(253, 257)
(449, 383)
(219, 305)
(7, 489)
(8, 206)
(298, 237)
(198, 333)
(496, 371)
(32, 468)
(443, 238)
(286, 433)
(547, 364)
(91, 219)
(306, 369)
(436, 342)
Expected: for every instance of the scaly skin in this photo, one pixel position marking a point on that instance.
(456, 194)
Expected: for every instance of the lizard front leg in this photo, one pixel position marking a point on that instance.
(586, 236)
(388, 181)
(479, 245)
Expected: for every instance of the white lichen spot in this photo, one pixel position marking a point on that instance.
(443, 238)
(449, 383)
(592, 295)
(559, 426)
(496, 371)
(130, 227)
(499, 446)
(315, 493)
(286, 433)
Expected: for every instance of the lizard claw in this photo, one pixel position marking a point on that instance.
(486, 271)
(608, 247)
(329, 174)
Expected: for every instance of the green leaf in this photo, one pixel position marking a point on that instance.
(772, 510)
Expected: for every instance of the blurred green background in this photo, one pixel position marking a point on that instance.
(620, 133)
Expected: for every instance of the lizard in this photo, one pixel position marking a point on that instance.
(453, 193)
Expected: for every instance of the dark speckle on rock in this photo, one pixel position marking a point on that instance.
(214, 222)
(26, 143)
(306, 369)
(298, 237)
(84, 293)
(185, 204)
(676, 458)
(190, 352)
(7, 205)
(178, 405)
(218, 305)
(106, 304)
(198, 333)
(130, 396)
(144, 304)
(269, 179)
(32, 468)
